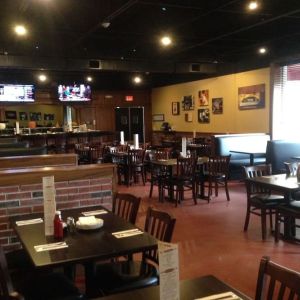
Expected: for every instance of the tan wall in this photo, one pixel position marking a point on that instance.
(232, 120)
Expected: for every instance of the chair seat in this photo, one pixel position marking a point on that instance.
(52, 286)
(266, 199)
(293, 208)
(124, 275)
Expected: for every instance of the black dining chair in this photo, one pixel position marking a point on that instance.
(121, 276)
(276, 282)
(260, 201)
(35, 286)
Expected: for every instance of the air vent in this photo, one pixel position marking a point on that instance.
(195, 67)
(94, 64)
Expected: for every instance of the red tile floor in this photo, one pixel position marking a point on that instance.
(212, 241)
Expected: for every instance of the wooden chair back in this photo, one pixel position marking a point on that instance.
(136, 156)
(5, 280)
(276, 282)
(186, 166)
(256, 171)
(218, 166)
(160, 225)
(126, 206)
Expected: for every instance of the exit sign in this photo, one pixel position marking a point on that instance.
(128, 98)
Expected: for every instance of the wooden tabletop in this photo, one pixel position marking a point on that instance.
(85, 245)
(173, 161)
(189, 290)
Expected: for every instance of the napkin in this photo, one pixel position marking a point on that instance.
(29, 222)
(86, 221)
(94, 212)
(49, 247)
(127, 233)
(222, 296)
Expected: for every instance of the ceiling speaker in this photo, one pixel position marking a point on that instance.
(94, 64)
(195, 67)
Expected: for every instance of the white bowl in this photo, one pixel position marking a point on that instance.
(98, 224)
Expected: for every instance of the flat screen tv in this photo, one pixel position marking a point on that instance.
(74, 92)
(17, 92)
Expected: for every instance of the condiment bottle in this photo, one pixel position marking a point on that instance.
(58, 226)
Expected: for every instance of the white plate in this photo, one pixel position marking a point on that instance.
(96, 225)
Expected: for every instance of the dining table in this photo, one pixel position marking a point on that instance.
(191, 289)
(84, 246)
(280, 183)
(170, 165)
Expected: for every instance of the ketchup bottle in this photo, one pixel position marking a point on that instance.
(58, 226)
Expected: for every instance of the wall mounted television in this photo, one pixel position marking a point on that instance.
(17, 92)
(74, 93)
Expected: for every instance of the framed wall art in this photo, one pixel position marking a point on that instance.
(217, 106)
(251, 97)
(188, 102)
(23, 116)
(158, 118)
(35, 116)
(203, 115)
(188, 117)
(48, 117)
(203, 98)
(10, 114)
(175, 108)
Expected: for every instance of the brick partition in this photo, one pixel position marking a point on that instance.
(87, 189)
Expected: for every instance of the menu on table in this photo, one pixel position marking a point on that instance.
(49, 204)
(168, 271)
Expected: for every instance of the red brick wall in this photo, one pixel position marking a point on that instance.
(26, 199)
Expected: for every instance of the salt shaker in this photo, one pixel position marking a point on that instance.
(71, 224)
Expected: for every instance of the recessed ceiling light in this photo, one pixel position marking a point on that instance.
(166, 41)
(253, 5)
(163, 8)
(137, 79)
(20, 30)
(89, 79)
(262, 50)
(42, 77)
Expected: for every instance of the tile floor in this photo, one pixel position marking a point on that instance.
(212, 241)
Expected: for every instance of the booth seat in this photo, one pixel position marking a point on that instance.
(224, 144)
(22, 151)
(280, 151)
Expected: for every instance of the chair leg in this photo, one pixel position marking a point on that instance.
(271, 219)
(151, 188)
(263, 223)
(216, 188)
(227, 191)
(143, 176)
(247, 218)
(277, 227)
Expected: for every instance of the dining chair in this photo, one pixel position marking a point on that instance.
(136, 166)
(183, 180)
(216, 172)
(126, 206)
(157, 172)
(121, 276)
(35, 286)
(276, 282)
(260, 201)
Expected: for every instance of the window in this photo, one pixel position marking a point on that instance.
(286, 103)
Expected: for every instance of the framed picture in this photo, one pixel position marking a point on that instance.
(251, 97)
(188, 102)
(23, 116)
(48, 117)
(11, 114)
(35, 116)
(203, 115)
(217, 106)
(175, 108)
(203, 98)
(188, 117)
(158, 118)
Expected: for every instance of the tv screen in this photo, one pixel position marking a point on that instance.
(16, 93)
(75, 92)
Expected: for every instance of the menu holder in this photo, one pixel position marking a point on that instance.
(49, 204)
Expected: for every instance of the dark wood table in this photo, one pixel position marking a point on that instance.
(171, 163)
(252, 154)
(189, 290)
(280, 183)
(84, 246)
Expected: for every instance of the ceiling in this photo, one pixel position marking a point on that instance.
(118, 37)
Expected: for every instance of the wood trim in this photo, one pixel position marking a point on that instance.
(65, 173)
(13, 162)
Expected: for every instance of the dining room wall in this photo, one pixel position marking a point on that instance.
(232, 120)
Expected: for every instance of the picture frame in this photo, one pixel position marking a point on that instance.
(188, 102)
(35, 116)
(188, 117)
(158, 117)
(203, 115)
(23, 116)
(48, 117)
(10, 114)
(251, 97)
(203, 97)
(175, 108)
(217, 106)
